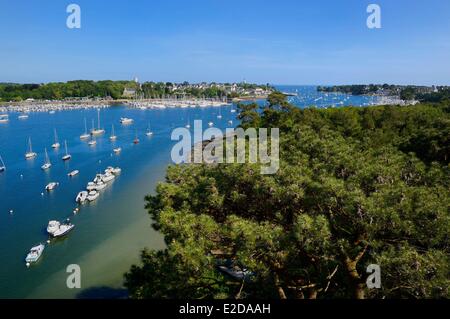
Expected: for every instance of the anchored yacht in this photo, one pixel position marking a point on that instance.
(30, 154)
(47, 163)
(51, 186)
(67, 156)
(56, 143)
(93, 195)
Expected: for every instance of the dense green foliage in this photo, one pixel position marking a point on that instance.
(356, 186)
(115, 90)
(60, 90)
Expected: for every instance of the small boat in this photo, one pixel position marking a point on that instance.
(73, 173)
(136, 140)
(82, 197)
(47, 163)
(220, 113)
(108, 177)
(116, 171)
(85, 135)
(100, 185)
(117, 150)
(125, 120)
(51, 186)
(67, 156)
(92, 142)
(99, 130)
(113, 136)
(34, 254)
(23, 117)
(90, 186)
(93, 195)
(51, 112)
(56, 144)
(53, 226)
(2, 165)
(230, 122)
(210, 124)
(4, 118)
(63, 230)
(149, 131)
(30, 154)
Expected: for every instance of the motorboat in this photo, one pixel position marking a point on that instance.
(73, 173)
(63, 230)
(34, 254)
(53, 226)
(47, 163)
(92, 142)
(149, 131)
(30, 154)
(4, 118)
(67, 156)
(98, 178)
(82, 197)
(125, 120)
(93, 195)
(100, 185)
(116, 171)
(51, 186)
(23, 116)
(117, 150)
(108, 177)
(56, 144)
(210, 124)
(91, 186)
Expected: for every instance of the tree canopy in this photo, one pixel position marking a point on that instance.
(356, 186)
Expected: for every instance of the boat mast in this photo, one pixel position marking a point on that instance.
(47, 159)
(29, 145)
(3, 163)
(56, 136)
(85, 126)
(65, 143)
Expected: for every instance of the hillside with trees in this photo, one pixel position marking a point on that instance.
(356, 186)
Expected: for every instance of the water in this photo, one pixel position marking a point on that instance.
(111, 232)
(307, 96)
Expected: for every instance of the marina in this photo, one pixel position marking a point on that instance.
(86, 193)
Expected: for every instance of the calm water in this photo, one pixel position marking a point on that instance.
(110, 232)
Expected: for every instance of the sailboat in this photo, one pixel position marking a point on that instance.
(149, 131)
(136, 140)
(85, 135)
(188, 125)
(56, 144)
(47, 163)
(99, 130)
(220, 113)
(2, 165)
(67, 156)
(113, 136)
(30, 154)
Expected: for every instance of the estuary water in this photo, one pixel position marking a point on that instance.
(110, 232)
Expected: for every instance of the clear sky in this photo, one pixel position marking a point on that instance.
(276, 41)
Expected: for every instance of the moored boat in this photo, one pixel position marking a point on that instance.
(34, 254)
(30, 154)
(73, 173)
(82, 197)
(93, 195)
(51, 186)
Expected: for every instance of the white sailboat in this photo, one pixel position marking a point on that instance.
(85, 135)
(30, 154)
(188, 125)
(2, 165)
(149, 131)
(113, 136)
(56, 144)
(99, 130)
(92, 142)
(47, 163)
(220, 113)
(67, 156)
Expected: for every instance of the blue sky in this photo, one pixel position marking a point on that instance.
(278, 42)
